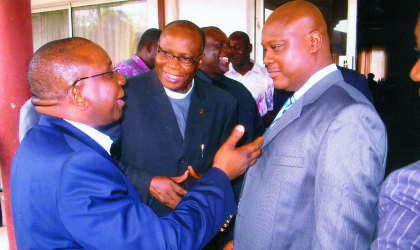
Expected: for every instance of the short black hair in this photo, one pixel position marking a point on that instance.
(244, 36)
(53, 66)
(149, 36)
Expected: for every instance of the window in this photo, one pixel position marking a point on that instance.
(116, 27)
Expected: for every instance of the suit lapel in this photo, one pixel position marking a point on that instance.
(72, 131)
(161, 106)
(295, 111)
(196, 114)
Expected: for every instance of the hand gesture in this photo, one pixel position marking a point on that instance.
(235, 161)
(166, 189)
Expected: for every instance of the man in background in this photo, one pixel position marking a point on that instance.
(144, 59)
(254, 77)
(212, 70)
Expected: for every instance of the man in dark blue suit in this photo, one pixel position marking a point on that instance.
(67, 192)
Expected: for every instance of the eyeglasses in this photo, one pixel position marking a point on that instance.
(109, 72)
(182, 59)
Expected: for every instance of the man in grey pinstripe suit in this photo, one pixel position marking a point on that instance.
(317, 182)
(399, 201)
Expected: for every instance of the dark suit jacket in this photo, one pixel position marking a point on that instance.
(351, 77)
(67, 193)
(152, 143)
(248, 114)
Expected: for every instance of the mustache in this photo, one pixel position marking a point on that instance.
(273, 68)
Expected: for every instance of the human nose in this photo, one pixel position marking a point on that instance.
(174, 62)
(226, 49)
(415, 71)
(268, 58)
(121, 80)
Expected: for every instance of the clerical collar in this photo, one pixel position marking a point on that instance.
(101, 138)
(176, 95)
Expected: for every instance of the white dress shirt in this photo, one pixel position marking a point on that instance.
(101, 138)
(259, 83)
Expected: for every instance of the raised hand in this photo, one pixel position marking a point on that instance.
(234, 161)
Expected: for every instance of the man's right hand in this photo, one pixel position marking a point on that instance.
(166, 189)
(235, 161)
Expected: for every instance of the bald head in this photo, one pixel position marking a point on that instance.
(296, 34)
(54, 67)
(186, 26)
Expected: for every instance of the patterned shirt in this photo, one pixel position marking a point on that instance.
(132, 67)
(259, 83)
(399, 210)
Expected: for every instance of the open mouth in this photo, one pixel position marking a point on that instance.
(171, 78)
(224, 59)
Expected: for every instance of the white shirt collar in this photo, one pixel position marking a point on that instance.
(256, 68)
(314, 79)
(101, 138)
(176, 95)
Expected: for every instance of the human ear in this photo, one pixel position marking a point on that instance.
(77, 99)
(316, 41)
(149, 47)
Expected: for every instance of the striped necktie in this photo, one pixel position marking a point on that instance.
(285, 107)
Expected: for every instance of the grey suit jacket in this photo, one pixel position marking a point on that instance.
(317, 182)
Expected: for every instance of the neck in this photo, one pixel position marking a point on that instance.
(142, 55)
(243, 69)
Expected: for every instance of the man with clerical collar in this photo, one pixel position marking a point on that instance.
(317, 182)
(181, 120)
(144, 59)
(66, 190)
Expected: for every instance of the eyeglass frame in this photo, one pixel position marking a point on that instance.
(159, 49)
(101, 74)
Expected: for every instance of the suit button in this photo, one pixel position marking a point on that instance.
(182, 160)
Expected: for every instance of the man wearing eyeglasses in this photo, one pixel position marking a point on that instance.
(173, 120)
(67, 192)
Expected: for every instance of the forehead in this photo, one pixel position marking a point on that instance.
(215, 35)
(183, 39)
(277, 30)
(93, 56)
(237, 38)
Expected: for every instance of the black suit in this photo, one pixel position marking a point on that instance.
(152, 143)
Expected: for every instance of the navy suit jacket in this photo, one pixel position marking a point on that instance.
(351, 77)
(152, 143)
(67, 193)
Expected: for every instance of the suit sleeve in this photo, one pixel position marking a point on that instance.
(351, 163)
(232, 121)
(259, 127)
(101, 210)
(399, 210)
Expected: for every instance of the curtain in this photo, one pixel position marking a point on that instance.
(364, 60)
(378, 62)
(116, 27)
(49, 26)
